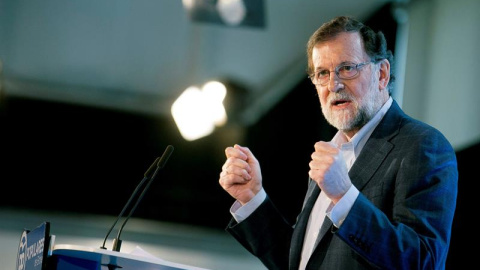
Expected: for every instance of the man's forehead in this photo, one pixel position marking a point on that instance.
(345, 47)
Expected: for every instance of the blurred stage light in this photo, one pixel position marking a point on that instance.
(197, 111)
(233, 13)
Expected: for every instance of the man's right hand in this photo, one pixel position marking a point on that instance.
(241, 176)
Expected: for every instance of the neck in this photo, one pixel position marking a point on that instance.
(350, 133)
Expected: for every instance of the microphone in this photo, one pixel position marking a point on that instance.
(148, 175)
(117, 243)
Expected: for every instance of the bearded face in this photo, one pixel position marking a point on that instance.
(354, 116)
(349, 103)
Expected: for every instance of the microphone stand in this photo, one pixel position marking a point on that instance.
(159, 163)
(147, 176)
(117, 243)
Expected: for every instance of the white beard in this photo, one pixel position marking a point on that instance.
(351, 119)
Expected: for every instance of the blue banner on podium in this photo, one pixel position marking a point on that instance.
(33, 248)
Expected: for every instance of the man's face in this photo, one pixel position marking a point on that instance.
(348, 104)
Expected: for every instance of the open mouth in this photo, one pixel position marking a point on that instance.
(340, 102)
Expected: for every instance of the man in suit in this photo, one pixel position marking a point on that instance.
(382, 193)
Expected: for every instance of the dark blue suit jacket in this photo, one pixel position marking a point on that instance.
(407, 176)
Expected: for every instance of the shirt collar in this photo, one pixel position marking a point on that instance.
(361, 137)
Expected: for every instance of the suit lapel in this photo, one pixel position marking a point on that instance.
(377, 148)
(369, 161)
(301, 225)
(327, 224)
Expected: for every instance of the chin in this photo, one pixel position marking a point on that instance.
(343, 121)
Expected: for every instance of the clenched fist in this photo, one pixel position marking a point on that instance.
(241, 176)
(329, 170)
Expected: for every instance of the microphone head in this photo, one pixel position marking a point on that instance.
(166, 155)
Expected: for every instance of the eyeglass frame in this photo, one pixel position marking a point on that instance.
(337, 72)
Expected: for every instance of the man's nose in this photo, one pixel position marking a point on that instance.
(334, 84)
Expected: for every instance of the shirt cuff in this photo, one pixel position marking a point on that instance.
(339, 211)
(240, 213)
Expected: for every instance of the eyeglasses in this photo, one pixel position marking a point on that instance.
(343, 71)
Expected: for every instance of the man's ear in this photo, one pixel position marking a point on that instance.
(384, 77)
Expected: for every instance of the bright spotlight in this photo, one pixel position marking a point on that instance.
(232, 12)
(196, 112)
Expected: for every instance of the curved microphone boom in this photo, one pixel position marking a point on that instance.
(149, 174)
(117, 243)
(146, 176)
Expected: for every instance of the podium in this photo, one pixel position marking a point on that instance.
(37, 251)
(72, 257)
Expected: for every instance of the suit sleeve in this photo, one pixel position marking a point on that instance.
(265, 234)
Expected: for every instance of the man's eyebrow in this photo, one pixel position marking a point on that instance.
(346, 62)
